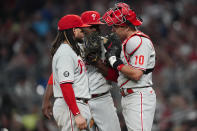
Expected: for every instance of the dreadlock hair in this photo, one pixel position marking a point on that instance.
(65, 35)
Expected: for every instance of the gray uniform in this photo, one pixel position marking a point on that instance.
(138, 107)
(68, 67)
(102, 107)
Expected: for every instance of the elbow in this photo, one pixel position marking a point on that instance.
(137, 76)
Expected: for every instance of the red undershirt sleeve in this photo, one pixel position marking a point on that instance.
(69, 97)
(112, 75)
(50, 81)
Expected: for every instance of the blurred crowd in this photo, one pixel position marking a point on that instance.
(28, 27)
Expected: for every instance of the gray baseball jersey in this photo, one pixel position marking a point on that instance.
(68, 67)
(97, 82)
(138, 107)
(138, 52)
(102, 108)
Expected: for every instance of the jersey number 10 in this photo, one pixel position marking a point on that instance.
(139, 59)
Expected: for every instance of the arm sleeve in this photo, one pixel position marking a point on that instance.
(69, 97)
(50, 81)
(66, 68)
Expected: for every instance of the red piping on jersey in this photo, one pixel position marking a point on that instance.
(136, 47)
(81, 67)
(141, 112)
(71, 121)
(138, 68)
(124, 83)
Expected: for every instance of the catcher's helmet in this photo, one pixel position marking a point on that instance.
(91, 18)
(122, 15)
(70, 21)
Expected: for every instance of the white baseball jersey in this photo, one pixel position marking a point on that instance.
(102, 108)
(138, 108)
(68, 67)
(97, 82)
(139, 53)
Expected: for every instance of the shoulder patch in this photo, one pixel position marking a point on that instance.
(66, 73)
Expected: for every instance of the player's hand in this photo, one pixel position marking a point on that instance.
(115, 62)
(47, 109)
(80, 122)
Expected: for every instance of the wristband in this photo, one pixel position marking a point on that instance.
(120, 67)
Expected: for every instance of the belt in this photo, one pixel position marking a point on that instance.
(98, 95)
(58, 97)
(125, 92)
(82, 99)
(79, 99)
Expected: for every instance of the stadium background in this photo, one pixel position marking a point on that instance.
(27, 28)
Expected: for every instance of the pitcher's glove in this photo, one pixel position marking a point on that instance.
(92, 49)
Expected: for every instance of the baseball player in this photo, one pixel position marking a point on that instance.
(70, 82)
(46, 103)
(101, 104)
(135, 67)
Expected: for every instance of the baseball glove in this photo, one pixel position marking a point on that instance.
(112, 44)
(92, 49)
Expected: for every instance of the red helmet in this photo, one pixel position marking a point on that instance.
(91, 17)
(122, 15)
(70, 21)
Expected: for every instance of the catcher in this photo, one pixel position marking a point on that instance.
(135, 67)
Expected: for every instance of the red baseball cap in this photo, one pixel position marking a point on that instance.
(91, 18)
(70, 21)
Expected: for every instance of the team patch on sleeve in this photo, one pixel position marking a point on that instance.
(66, 73)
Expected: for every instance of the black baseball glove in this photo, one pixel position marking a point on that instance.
(112, 44)
(92, 49)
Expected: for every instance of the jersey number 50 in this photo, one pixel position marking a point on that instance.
(139, 59)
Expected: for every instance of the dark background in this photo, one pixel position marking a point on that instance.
(27, 28)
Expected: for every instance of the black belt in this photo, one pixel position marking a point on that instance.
(98, 95)
(84, 100)
(58, 97)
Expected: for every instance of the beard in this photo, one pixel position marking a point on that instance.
(79, 40)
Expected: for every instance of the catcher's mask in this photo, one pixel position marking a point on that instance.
(121, 15)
